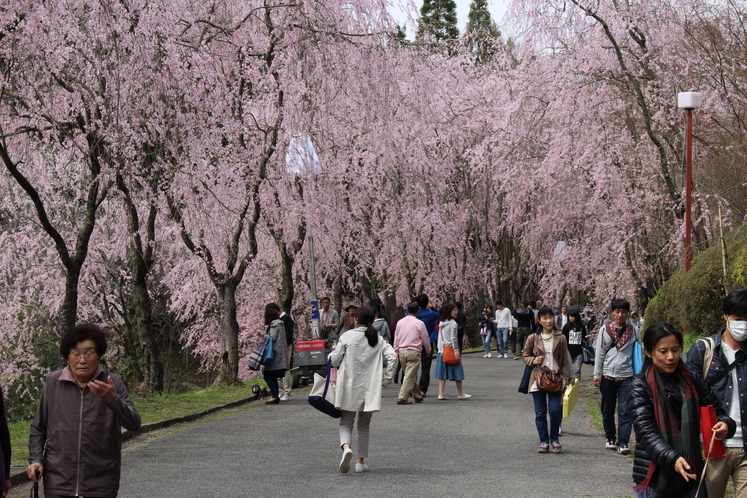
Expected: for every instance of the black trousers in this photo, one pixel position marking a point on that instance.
(425, 368)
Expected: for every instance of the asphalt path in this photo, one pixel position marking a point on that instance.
(486, 446)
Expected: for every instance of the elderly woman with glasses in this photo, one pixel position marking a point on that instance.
(75, 439)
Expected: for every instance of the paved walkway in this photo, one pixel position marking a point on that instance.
(484, 447)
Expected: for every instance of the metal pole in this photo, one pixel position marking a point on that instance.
(724, 261)
(688, 190)
(312, 275)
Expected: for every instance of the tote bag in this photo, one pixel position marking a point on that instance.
(322, 396)
(269, 356)
(256, 356)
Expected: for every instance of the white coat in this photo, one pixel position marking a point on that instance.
(361, 374)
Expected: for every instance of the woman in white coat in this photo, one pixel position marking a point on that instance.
(359, 356)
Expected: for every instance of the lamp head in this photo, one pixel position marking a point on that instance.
(688, 100)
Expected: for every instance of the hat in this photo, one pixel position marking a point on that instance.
(351, 306)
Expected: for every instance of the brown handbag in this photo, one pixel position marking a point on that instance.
(548, 380)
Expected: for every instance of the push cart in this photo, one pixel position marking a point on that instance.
(310, 358)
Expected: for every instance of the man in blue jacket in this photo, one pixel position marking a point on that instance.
(726, 374)
(429, 318)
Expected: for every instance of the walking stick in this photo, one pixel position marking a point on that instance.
(35, 490)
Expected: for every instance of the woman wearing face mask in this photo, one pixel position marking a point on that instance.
(663, 405)
(726, 374)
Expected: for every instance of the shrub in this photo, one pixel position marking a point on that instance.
(692, 301)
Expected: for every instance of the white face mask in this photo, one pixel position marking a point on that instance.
(738, 329)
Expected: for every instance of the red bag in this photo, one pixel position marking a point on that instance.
(707, 421)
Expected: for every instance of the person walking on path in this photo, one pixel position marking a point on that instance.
(75, 439)
(663, 405)
(329, 319)
(429, 318)
(613, 373)
(547, 349)
(726, 374)
(359, 357)
(382, 328)
(461, 321)
(410, 341)
(347, 322)
(562, 319)
(486, 329)
(5, 448)
(399, 314)
(575, 333)
(285, 387)
(503, 325)
(277, 368)
(448, 336)
(525, 325)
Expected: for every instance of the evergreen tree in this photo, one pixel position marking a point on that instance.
(438, 21)
(481, 34)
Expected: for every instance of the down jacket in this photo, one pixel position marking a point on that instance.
(649, 442)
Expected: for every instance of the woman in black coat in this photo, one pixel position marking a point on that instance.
(663, 405)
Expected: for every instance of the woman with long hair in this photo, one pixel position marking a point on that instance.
(359, 356)
(575, 332)
(663, 405)
(277, 368)
(547, 350)
(448, 336)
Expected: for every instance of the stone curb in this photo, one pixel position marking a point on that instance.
(21, 477)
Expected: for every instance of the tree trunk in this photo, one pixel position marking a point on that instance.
(153, 374)
(140, 259)
(229, 329)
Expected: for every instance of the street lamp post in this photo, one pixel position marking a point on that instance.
(301, 160)
(688, 101)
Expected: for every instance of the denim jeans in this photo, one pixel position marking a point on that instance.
(548, 402)
(486, 342)
(615, 392)
(576, 364)
(501, 336)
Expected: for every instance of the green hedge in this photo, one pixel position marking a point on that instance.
(692, 301)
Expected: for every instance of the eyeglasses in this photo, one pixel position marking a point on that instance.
(88, 355)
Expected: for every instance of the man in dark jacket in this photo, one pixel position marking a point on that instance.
(429, 318)
(525, 321)
(726, 374)
(461, 321)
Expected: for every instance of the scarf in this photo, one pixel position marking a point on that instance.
(684, 438)
(619, 335)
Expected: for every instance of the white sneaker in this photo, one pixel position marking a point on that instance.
(505, 355)
(347, 456)
(485, 356)
(490, 355)
(466, 396)
(361, 467)
(285, 397)
(442, 397)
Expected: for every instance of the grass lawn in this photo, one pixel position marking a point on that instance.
(152, 409)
